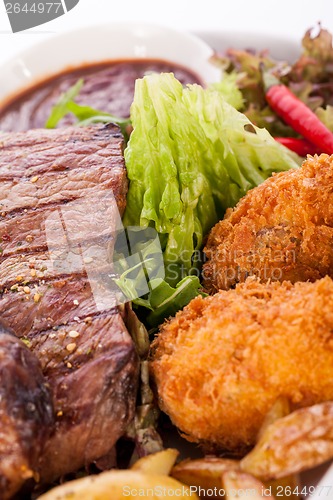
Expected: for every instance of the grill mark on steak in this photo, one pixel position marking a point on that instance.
(26, 414)
(60, 301)
(25, 231)
(43, 156)
(23, 268)
(32, 153)
(50, 345)
(93, 374)
(53, 188)
(37, 269)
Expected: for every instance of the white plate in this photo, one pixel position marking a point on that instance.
(133, 40)
(279, 47)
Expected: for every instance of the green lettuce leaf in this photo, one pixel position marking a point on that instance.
(144, 267)
(191, 155)
(85, 115)
(167, 300)
(326, 116)
(310, 78)
(60, 109)
(163, 300)
(229, 89)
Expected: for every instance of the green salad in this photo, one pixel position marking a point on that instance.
(310, 78)
(190, 155)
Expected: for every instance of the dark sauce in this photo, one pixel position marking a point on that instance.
(108, 87)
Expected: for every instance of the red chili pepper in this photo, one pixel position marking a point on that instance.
(300, 146)
(296, 114)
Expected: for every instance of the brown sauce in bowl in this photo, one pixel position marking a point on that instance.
(108, 87)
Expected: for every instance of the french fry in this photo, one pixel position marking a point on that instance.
(205, 472)
(280, 409)
(299, 441)
(157, 463)
(119, 484)
(237, 484)
(288, 487)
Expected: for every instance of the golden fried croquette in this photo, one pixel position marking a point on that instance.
(281, 230)
(222, 362)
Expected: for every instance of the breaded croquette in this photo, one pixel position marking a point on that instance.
(224, 360)
(281, 230)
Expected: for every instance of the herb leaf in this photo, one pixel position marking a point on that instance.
(85, 115)
(60, 109)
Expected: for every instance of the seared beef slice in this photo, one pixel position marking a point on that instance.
(26, 414)
(57, 229)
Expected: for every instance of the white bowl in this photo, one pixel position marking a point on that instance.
(102, 43)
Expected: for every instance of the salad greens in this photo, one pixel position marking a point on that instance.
(326, 116)
(310, 78)
(191, 155)
(142, 278)
(229, 89)
(61, 109)
(85, 115)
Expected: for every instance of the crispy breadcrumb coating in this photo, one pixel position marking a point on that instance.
(222, 362)
(281, 230)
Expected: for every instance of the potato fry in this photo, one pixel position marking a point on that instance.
(299, 441)
(237, 484)
(286, 487)
(157, 463)
(205, 472)
(119, 484)
(280, 409)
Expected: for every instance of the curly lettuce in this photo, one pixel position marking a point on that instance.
(310, 78)
(191, 156)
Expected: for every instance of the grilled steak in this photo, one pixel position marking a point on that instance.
(93, 385)
(25, 155)
(26, 414)
(63, 193)
(58, 302)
